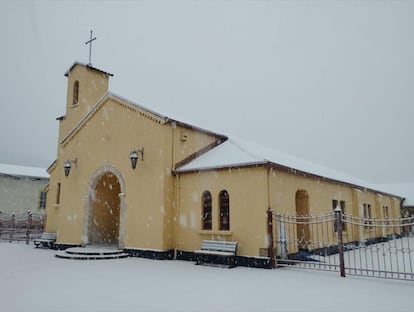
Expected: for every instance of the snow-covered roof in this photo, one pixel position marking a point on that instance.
(228, 154)
(166, 116)
(237, 152)
(23, 171)
(88, 66)
(406, 190)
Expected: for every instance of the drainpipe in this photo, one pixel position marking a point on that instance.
(270, 239)
(173, 126)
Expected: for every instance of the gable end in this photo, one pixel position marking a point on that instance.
(97, 108)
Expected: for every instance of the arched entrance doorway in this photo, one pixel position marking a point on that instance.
(104, 211)
(302, 212)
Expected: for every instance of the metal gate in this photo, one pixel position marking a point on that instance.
(19, 227)
(344, 243)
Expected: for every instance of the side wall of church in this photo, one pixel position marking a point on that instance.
(253, 190)
(321, 194)
(247, 189)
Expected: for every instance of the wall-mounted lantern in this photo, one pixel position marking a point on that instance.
(68, 164)
(134, 156)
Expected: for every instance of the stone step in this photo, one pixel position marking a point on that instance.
(91, 253)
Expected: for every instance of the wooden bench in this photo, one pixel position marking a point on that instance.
(47, 240)
(217, 252)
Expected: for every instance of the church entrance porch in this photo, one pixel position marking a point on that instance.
(104, 211)
(91, 253)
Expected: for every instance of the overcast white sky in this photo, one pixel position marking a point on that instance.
(327, 81)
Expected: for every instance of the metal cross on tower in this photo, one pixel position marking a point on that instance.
(90, 48)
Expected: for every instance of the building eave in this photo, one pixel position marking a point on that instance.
(220, 139)
(52, 166)
(89, 67)
(279, 167)
(201, 130)
(220, 168)
(110, 96)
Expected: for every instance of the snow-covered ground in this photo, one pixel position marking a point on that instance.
(34, 280)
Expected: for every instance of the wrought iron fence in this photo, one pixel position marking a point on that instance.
(21, 227)
(344, 243)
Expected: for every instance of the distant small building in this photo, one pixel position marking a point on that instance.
(23, 189)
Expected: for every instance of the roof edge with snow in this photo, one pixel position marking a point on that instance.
(236, 154)
(109, 95)
(23, 171)
(89, 67)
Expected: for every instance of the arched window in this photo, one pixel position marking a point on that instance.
(75, 92)
(206, 211)
(224, 202)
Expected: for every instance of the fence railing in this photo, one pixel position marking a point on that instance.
(21, 227)
(343, 243)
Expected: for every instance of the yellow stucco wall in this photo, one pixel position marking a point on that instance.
(149, 189)
(252, 191)
(247, 190)
(52, 212)
(93, 85)
(283, 187)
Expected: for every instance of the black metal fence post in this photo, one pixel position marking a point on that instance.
(12, 227)
(28, 226)
(338, 223)
(270, 247)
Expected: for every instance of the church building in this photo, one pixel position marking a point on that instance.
(129, 177)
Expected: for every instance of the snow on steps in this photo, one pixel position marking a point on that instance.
(91, 253)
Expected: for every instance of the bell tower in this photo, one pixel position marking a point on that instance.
(86, 85)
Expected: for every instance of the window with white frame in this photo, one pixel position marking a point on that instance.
(367, 216)
(385, 214)
(42, 199)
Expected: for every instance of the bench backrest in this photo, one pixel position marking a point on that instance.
(219, 246)
(48, 236)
